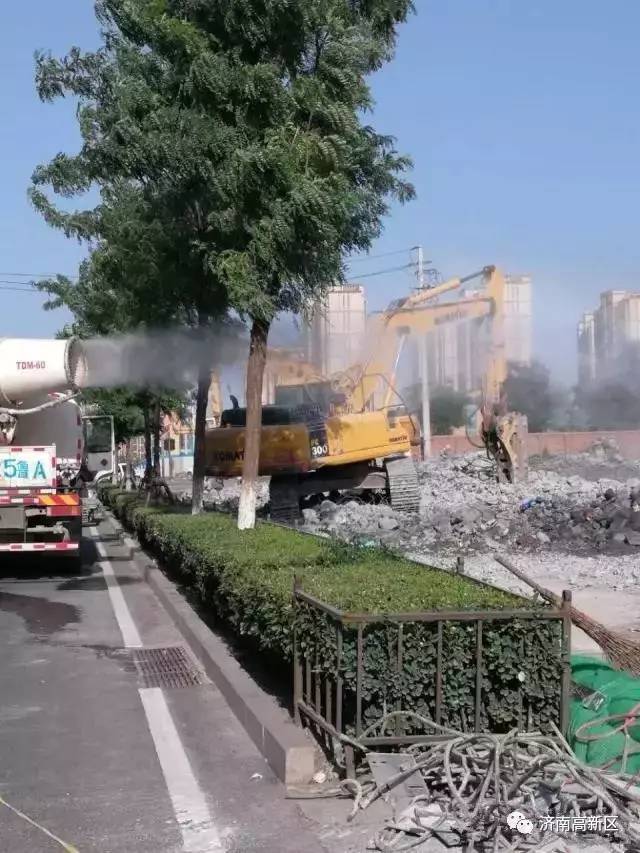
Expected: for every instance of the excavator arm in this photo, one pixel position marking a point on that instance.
(503, 433)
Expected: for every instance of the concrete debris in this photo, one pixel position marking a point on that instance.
(577, 517)
(463, 509)
(222, 494)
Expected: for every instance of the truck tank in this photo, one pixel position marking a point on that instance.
(41, 445)
(30, 369)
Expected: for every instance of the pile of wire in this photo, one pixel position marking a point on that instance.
(520, 791)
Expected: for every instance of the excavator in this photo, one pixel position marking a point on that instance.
(351, 431)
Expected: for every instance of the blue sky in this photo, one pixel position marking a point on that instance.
(520, 118)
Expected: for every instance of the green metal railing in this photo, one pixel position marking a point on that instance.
(319, 694)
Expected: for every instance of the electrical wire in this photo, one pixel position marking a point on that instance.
(36, 275)
(4, 287)
(373, 257)
(408, 266)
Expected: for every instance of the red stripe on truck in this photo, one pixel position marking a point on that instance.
(41, 546)
(14, 490)
(64, 511)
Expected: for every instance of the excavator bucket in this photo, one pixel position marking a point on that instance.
(505, 438)
(512, 432)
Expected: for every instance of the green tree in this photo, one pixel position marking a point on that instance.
(241, 127)
(446, 406)
(123, 405)
(447, 409)
(527, 390)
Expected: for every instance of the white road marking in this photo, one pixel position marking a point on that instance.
(130, 635)
(199, 833)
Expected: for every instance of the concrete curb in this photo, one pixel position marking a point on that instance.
(290, 754)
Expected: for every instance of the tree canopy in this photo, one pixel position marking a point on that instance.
(446, 406)
(229, 140)
(527, 390)
(237, 131)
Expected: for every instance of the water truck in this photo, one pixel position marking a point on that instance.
(51, 456)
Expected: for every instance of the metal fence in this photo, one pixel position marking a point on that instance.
(319, 695)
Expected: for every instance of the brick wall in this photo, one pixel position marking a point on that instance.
(551, 442)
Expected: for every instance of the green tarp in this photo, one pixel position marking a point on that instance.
(606, 692)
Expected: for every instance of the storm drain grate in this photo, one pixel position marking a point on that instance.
(168, 667)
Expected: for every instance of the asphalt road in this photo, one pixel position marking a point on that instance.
(92, 754)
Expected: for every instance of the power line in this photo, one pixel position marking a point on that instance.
(409, 266)
(36, 275)
(375, 257)
(4, 288)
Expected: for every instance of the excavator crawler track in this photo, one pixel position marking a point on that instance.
(402, 484)
(284, 500)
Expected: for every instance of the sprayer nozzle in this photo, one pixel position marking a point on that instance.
(76, 366)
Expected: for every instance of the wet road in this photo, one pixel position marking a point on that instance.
(93, 753)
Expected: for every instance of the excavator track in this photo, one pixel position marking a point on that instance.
(402, 484)
(284, 500)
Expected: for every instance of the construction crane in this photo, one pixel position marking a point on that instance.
(336, 434)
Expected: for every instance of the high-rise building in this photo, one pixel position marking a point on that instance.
(518, 327)
(606, 333)
(458, 352)
(586, 349)
(336, 335)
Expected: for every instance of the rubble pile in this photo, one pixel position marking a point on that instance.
(464, 509)
(562, 508)
(224, 494)
(602, 460)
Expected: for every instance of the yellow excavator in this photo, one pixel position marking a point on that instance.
(349, 432)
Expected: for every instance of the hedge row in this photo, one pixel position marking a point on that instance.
(246, 579)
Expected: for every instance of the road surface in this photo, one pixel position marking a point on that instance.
(93, 753)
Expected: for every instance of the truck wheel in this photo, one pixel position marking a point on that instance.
(74, 563)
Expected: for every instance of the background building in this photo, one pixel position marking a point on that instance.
(606, 334)
(457, 352)
(518, 319)
(335, 337)
(586, 349)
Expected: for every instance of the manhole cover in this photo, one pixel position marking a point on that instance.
(168, 667)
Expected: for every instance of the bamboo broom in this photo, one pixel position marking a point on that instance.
(623, 653)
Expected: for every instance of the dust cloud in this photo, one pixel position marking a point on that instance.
(162, 358)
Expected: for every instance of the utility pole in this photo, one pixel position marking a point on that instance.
(424, 371)
(420, 273)
(426, 410)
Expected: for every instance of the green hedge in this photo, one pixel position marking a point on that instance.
(246, 579)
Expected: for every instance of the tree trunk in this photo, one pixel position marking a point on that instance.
(255, 374)
(129, 481)
(156, 438)
(148, 457)
(199, 457)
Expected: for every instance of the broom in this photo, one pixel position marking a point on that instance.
(623, 653)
